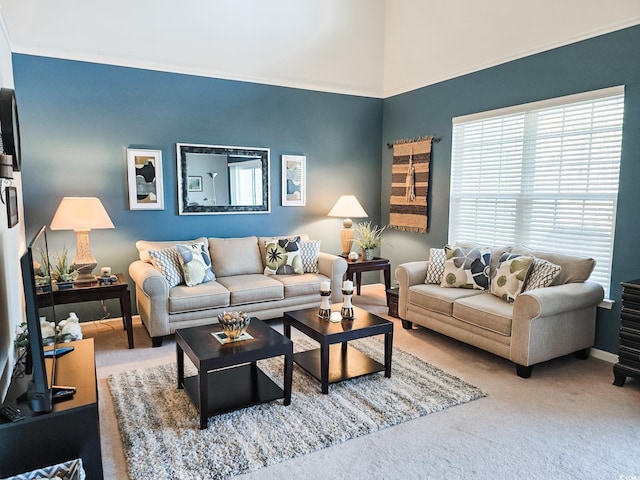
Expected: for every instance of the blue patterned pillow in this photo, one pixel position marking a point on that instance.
(309, 252)
(466, 267)
(167, 261)
(195, 263)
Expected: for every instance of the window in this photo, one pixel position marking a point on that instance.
(544, 175)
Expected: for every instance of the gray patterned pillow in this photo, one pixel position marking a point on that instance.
(466, 267)
(195, 263)
(542, 274)
(510, 276)
(309, 252)
(436, 265)
(167, 261)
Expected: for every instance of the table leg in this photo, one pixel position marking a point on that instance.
(203, 387)
(287, 328)
(387, 276)
(288, 376)
(388, 350)
(358, 282)
(180, 365)
(324, 367)
(125, 308)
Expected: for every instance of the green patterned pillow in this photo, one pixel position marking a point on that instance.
(195, 263)
(283, 257)
(510, 276)
(466, 267)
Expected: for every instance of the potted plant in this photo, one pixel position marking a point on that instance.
(42, 273)
(63, 272)
(368, 237)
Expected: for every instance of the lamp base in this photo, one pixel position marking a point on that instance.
(346, 238)
(85, 271)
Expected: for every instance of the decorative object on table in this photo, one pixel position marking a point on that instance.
(325, 302)
(347, 308)
(294, 181)
(234, 324)
(12, 206)
(410, 185)
(48, 331)
(10, 127)
(105, 271)
(82, 214)
(63, 272)
(144, 171)
(346, 207)
(368, 238)
(69, 329)
(353, 256)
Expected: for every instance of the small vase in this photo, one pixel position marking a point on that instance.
(368, 254)
(64, 285)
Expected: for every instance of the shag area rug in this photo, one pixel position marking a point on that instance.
(160, 426)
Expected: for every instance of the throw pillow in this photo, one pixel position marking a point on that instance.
(510, 276)
(167, 261)
(542, 274)
(283, 257)
(436, 265)
(466, 267)
(309, 252)
(195, 263)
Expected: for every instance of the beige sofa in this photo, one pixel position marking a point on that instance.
(541, 324)
(240, 284)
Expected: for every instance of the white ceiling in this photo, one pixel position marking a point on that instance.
(364, 47)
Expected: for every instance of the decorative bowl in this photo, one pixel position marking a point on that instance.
(234, 323)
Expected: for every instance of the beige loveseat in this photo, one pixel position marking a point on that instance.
(240, 284)
(541, 324)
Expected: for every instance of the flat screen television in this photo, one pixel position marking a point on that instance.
(35, 265)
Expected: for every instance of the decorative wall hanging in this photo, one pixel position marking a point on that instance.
(294, 179)
(144, 168)
(410, 185)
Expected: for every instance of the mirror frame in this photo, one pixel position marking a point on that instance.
(182, 149)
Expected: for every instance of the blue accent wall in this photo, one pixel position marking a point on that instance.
(604, 61)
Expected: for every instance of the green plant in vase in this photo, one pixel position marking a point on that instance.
(368, 238)
(42, 272)
(63, 271)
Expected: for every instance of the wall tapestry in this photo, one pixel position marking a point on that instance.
(410, 185)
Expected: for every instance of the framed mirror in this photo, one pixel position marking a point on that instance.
(219, 179)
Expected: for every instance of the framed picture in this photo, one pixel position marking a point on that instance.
(144, 169)
(12, 206)
(194, 184)
(294, 180)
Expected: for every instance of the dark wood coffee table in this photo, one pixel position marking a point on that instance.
(217, 389)
(331, 362)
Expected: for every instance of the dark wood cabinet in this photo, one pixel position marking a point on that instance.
(629, 352)
(71, 430)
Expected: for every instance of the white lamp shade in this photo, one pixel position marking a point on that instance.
(348, 206)
(80, 213)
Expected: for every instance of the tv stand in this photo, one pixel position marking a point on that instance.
(71, 430)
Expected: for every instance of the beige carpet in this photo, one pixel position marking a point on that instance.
(567, 421)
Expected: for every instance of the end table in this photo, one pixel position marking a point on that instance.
(355, 268)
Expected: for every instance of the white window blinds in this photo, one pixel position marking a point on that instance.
(544, 175)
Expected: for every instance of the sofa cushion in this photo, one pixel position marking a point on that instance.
(252, 288)
(542, 274)
(144, 246)
(466, 267)
(235, 256)
(436, 298)
(195, 263)
(574, 269)
(167, 261)
(435, 270)
(199, 297)
(510, 276)
(299, 285)
(309, 252)
(283, 257)
(485, 311)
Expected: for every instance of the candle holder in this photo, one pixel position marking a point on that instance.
(347, 308)
(325, 304)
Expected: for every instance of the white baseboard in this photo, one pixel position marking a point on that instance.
(602, 355)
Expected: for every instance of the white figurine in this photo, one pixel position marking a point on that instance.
(48, 331)
(70, 328)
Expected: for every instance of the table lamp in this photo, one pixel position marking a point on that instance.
(347, 206)
(81, 214)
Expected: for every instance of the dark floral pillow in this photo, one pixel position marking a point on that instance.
(283, 257)
(466, 267)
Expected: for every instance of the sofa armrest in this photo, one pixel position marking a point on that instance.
(149, 279)
(544, 302)
(334, 267)
(152, 297)
(408, 274)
